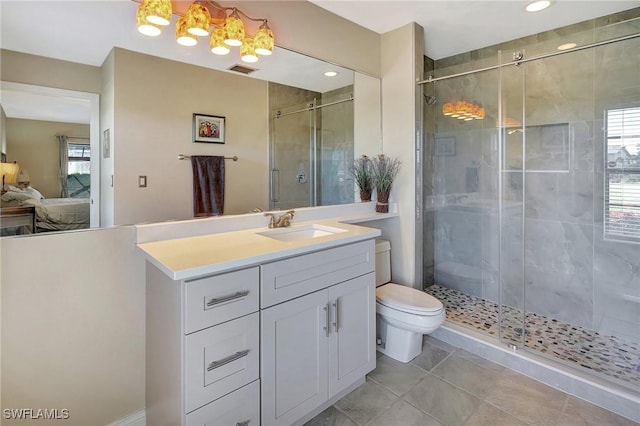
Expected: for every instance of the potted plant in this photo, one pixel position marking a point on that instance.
(361, 172)
(384, 171)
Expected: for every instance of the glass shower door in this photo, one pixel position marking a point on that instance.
(311, 152)
(334, 143)
(511, 183)
(461, 198)
(292, 158)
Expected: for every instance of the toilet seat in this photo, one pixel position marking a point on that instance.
(407, 299)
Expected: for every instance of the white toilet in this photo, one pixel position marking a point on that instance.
(403, 314)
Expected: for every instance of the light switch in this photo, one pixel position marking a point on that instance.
(142, 181)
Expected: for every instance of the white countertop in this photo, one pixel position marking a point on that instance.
(186, 258)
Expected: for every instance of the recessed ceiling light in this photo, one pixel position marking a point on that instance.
(566, 46)
(330, 74)
(537, 5)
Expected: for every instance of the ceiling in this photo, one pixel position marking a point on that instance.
(450, 27)
(457, 26)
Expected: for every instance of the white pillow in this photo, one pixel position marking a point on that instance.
(33, 192)
(15, 189)
(19, 196)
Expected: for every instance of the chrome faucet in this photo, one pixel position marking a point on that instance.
(280, 221)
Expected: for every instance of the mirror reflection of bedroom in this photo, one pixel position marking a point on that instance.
(46, 167)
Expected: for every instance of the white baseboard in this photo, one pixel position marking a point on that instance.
(139, 418)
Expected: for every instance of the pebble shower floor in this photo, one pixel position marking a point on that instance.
(613, 357)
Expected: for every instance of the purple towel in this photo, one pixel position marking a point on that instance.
(208, 185)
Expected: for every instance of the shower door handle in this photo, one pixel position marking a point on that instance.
(275, 185)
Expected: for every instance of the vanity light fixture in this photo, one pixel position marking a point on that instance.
(234, 28)
(248, 51)
(463, 110)
(330, 74)
(216, 42)
(183, 36)
(158, 11)
(198, 20)
(537, 5)
(144, 26)
(223, 25)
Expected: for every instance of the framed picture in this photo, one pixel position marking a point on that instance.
(208, 128)
(444, 146)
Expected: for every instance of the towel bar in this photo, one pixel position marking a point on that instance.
(185, 157)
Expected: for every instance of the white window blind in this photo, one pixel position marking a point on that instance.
(622, 175)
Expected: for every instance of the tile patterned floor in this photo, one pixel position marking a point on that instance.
(448, 386)
(614, 358)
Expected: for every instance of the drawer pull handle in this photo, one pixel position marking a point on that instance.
(227, 360)
(245, 423)
(238, 295)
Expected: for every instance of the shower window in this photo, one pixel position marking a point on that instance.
(622, 175)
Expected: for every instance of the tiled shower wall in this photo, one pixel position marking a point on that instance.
(563, 268)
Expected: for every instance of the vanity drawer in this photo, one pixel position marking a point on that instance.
(239, 408)
(219, 298)
(221, 359)
(289, 278)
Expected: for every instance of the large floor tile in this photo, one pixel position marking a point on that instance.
(431, 356)
(432, 341)
(581, 413)
(467, 375)
(403, 414)
(448, 404)
(396, 376)
(331, 417)
(366, 402)
(476, 359)
(488, 415)
(527, 399)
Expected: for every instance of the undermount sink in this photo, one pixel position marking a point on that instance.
(302, 232)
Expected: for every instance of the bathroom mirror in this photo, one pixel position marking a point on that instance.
(248, 178)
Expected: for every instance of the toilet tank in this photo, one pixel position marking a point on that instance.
(383, 262)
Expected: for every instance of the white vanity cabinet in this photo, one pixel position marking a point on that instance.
(266, 339)
(203, 346)
(319, 344)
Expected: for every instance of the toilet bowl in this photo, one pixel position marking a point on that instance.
(403, 314)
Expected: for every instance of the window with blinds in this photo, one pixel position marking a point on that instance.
(622, 175)
(79, 170)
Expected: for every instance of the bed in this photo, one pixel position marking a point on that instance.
(54, 214)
